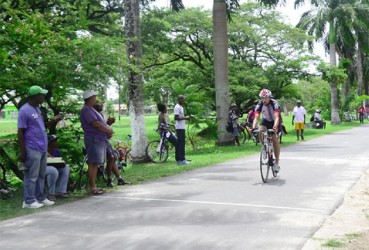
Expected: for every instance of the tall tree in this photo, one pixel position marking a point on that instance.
(220, 50)
(135, 84)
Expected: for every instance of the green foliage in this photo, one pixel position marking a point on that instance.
(315, 94)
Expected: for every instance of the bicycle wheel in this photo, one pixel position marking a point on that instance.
(128, 159)
(82, 175)
(154, 153)
(264, 164)
(271, 163)
(242, 136)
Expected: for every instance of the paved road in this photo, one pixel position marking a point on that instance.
(224, 206)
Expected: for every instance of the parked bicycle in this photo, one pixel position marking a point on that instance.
(158, 150)
(266, 155)
(247, 132)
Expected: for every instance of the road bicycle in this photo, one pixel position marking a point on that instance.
(158, 150)
(266, 155)
(122, 154)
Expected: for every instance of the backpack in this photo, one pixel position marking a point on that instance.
(312, 118)
(229, 127)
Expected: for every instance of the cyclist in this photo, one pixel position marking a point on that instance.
(271, 111)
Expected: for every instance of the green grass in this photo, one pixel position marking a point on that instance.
(205, 154)
(333, 243)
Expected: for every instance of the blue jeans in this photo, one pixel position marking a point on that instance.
(57, 179)
(34, 176)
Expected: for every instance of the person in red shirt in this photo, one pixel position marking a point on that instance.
(361, 110)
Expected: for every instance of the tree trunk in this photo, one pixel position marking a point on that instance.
(220, 47)
(335, 118)
(132, 30)
(359, 70)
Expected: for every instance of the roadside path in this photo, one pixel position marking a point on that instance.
(225, 206)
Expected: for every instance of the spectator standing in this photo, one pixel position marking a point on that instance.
(180, 126)
(57, 177)
(233, 117)
(33, 149)
(361, 111)
(96, 134)
(298, 119)
(111, 165)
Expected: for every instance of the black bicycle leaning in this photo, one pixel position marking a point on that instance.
(266, 155)
(158, 150)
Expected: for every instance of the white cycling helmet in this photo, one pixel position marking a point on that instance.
(265, 93)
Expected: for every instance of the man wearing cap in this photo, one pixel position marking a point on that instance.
(298, 118)
(57, 175)
(33, 149)
(96, 134)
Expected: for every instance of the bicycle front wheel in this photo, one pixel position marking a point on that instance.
(264, 164)
(82, 175)
(155, 153)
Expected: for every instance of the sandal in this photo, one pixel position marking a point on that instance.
(97, 191)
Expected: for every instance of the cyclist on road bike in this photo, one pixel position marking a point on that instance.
(271, 111)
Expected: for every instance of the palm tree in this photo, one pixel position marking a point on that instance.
(339, 15)
(220, 50)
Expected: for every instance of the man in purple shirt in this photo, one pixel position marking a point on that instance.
(33, 149)
(96, 135)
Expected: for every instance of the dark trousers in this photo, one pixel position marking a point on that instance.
(180, 146)
(361, 117)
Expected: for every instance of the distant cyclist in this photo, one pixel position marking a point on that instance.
(271, 111)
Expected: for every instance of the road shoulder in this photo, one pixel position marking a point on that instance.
(348, 227)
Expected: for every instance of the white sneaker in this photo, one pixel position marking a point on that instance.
(277, 168)
(35, 204)
(47, 202)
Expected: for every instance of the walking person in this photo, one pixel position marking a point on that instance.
(298, 119)
(180, 126)
(361, 111)
(96, 134)
(32, 140)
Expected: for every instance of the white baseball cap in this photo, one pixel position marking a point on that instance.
(88, 93)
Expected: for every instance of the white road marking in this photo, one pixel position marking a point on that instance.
(211, 203)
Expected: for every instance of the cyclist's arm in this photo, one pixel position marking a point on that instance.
(276, 120)
(256, 120)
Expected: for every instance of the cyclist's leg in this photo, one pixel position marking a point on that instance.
(261, 128)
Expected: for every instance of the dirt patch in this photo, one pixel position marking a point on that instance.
(348, 227)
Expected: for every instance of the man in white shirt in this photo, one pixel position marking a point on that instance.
(298, 118)
(180, 126)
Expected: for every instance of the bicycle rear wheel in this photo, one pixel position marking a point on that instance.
(242, 136)
(128, 158)
(155, 154)
(264, 164)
